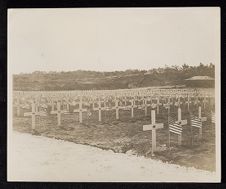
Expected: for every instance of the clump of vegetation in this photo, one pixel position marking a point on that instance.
(87, 80)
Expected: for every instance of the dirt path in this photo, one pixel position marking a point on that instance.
(44, 159)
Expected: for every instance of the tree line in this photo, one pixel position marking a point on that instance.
(87, 80)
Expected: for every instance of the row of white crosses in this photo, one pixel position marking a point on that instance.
(155, 126)
(117, 108)
(34, 112)
(181, 123)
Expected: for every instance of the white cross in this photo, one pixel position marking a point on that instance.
(33, 113)
(66, 105)
(80, 111)
(116, 107)
(106, 107)
(145, 105)
(188, 102)
(99, 109)
(58, 112)
(153, 127)
(41, 106)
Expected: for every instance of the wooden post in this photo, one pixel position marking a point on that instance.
(33, 116)
(188, 102)
(158, 105)
(145, 107)
(99, 110)
(202, 119)
(179, 119)
(58, 114)
(116, 109)
(200, 112)
(132, 108)
(153, 131)
(180, 122)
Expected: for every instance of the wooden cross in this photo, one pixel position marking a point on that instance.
(66, 106)
(34, 113)
(58, 112)
(99, 109)
(65, 103)
(146, 105)
(180, 122)
(188, 102)
(80, 111)
(153, 127)
(116, 107)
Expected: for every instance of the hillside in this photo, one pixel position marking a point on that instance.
(87, 80)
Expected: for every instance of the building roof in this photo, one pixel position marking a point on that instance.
(200, 78)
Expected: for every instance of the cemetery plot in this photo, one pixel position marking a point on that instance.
(107, 122)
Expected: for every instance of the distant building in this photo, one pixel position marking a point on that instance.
(200, 82)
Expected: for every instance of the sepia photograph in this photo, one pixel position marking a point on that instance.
(114, 95)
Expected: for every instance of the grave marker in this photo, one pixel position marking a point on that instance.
(33, 114)
(80, 111)
(58, 112)
(153, 127)
(116, 109)
(99, 108)
(188, 102)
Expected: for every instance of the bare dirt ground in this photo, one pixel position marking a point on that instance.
(126, 136)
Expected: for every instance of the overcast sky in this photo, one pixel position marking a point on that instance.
(111, 39)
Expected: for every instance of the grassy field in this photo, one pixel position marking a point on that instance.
(126, 136)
